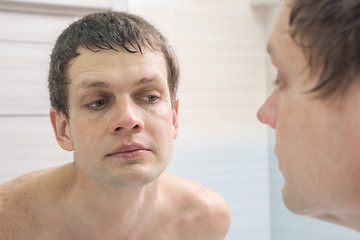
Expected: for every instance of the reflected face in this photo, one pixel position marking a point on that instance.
(316, 140)
(122, 123)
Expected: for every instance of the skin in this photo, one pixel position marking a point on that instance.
(121, 129)
(114, 109)
(316, 139)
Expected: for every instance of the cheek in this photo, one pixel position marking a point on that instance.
(306, 145)
(160, 127)
(161, 115)
(293, 131)
(290, 123)
(87, 133)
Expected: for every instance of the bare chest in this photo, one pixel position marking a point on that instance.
(18, 229)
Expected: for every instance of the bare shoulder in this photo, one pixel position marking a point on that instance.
(13, 207)
(13, 193)
(204, 213)
(21, 200)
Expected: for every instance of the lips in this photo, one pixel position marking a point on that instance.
(128, 151)
(277, 156)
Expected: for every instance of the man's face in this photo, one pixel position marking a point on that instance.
(122, 123)
(317, 140)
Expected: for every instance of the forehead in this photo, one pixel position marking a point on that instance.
(280, 32)
(118, 65)
(284, 52)
(119, 55)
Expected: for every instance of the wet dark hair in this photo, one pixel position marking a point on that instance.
(328, 31)
(105, 31)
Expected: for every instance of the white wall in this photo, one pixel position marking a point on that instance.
(224, 79)
(220, 44)
(28, 31)
(221, 144)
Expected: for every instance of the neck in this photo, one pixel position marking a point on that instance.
(109, 210)
(350, 219)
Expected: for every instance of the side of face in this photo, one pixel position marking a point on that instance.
(122, 124)
(314, 137)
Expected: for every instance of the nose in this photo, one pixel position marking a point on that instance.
(267, 113)
(126, 118)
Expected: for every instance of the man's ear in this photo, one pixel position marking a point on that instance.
(175, 119)
(61, 129)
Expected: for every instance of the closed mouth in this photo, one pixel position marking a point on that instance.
(129, 151)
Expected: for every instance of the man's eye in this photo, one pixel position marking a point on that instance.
(151, 98)
(98, 103)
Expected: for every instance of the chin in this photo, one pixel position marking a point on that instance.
(135, 176)
(295, 202)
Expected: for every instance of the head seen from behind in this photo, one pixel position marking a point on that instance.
(315, 107)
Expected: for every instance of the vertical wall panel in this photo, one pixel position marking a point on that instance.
(27, 144)
(224, 79)
(27, 33)
(220, 45)
(26, 140)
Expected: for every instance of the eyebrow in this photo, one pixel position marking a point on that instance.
(93, 84)
(147, 80)
(106, 85)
